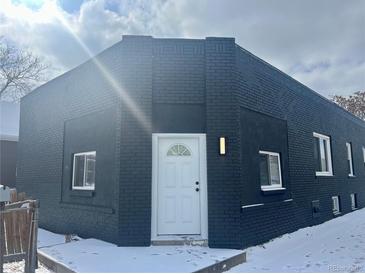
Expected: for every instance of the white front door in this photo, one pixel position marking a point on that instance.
(178, 186)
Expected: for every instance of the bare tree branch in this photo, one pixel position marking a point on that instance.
(20, 71)
(354, 103)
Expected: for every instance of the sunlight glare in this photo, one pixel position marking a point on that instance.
(128, 101)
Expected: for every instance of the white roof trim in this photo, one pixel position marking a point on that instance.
(4, 137)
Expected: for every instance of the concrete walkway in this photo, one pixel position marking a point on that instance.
(93, 255)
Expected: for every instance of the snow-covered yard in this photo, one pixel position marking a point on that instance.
(335, 246)
(91, 255)
(17, 267)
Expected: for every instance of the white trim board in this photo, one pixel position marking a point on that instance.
(203, 182)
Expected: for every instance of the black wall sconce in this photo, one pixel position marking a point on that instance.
(222, 145)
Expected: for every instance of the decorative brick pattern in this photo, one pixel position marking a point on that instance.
(178, 71)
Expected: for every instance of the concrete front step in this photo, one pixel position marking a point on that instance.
(181, 242)
(217, 267)
(185, 253)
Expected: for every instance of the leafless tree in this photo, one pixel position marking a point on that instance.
(20, 71)
(354, 103)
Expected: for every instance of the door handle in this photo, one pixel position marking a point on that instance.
(197, 189)
(197, 183)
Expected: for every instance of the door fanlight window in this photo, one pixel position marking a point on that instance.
(178, 150)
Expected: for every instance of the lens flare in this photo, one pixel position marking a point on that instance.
(125, 97)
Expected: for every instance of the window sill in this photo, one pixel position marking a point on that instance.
(336, 214)
(82, 193)
(351, 176)
(319, 174)
(83, 188)
(273, 191)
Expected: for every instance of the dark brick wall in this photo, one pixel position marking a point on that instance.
(44, 114)
(262, 132)
(263, 88)
(136, 142)
(222, 116)
(179, 71)
(8, 150)
(179, 118)
(178, 86)
(193, 86)
(91, 132)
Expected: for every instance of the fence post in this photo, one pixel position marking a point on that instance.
(2, 236)
(34, 257)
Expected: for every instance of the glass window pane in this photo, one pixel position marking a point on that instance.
(323, 150)
(178, 150)
(317, 154)
(79, 170)
(264, 170)
(335, 204)
(349, 159)
(353, 201)
(348, 145)
(90, 170)
(274, 170)
(349, 167)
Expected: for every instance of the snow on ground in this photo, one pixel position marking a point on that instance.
(93, 255)
(46, 238)
(17, 267)
(335, 246)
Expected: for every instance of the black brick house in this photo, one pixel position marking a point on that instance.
(155, 139)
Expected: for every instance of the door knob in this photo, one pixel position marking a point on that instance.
(197, 183)
(197, 189)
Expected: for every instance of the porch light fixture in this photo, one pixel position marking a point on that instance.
(222, 145)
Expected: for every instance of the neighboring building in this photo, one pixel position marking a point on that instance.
(160, 138)
(9, 131)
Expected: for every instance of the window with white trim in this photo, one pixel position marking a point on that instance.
(353, 201)
(350, 165)
(336, 205)
(363, 154)
(83, 174)
(322, 154)
(270, 170)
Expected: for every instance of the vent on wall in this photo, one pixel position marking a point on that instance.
(316, 210)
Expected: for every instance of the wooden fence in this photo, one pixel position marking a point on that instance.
(18, 233)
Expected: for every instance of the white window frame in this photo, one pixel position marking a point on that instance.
(327, 140)
(353, 201)
(336, 205)
(349, 158)
(73, 171)
(276, 186)
(363, 153)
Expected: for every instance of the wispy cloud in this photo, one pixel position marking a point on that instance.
(320, 43)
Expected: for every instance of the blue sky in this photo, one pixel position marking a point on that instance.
(318, 42)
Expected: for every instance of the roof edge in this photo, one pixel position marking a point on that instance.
(300, 83)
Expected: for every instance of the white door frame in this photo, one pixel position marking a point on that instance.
(202, 183)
